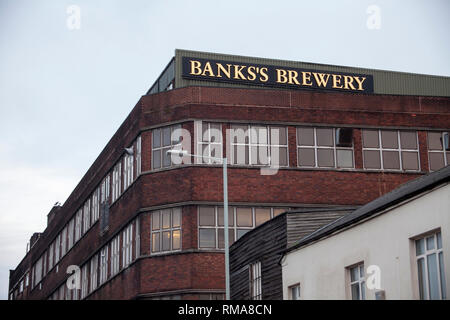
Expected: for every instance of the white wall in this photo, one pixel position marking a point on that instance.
(384, 241)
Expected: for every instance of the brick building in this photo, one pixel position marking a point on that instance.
(142, 225)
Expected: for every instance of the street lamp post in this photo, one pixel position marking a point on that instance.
(183, 153)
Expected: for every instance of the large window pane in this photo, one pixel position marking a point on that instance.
(207, 216)
(436, 160)
(207, 238)
(422, 279)
(355, 291)
(239, 134)
(281, 133)
(442, 275)
(244, 217)
(165, 218)
(370, 139)
(166, 241)
(305, 136)
(261, 215)
(278, 156)
(220, 216)
(176, 218)
(278, 211)
(156, 159)
(156, 134)
(166, 136)
(260, 155)
(156, 220)
(433, 277)
(389, 139)
(306, 157)
(325, 137)
(221, 239)
(420, 247)
(241, 232)
(258, 135)
(435, 141)
(155, 242)
(408, 139)
(391, 160)
(410, 161)
(344, 158)
(325, 157)
(176, 239)
(167, 160)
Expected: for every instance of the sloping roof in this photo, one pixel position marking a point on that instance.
(402, 193)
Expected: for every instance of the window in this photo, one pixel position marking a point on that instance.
(87, 216)
(50, 256)
(438, 150)
(163, 139)
(37, 277)
(104, 189)
(116, 181)
(294, 292)
(84, 281)
(259, 145)
(390, 150)
(94, 269)
(138, 156)
(209, 141)
(21, 286)
(325, 147)
(240, 221)
(64, 241)
(95, 205)
(127, 245)
(57, 248)
(255, 281)
(104, 204)
(357, 282)
(27, 280)
(138, 238)
(166, 230)
(115, 255)
(70, 235)
(430, 267)
(128, 161)
(104, 265)
(78, 220)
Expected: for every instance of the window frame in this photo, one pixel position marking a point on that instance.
(255, 281)
(361, 280)
(399, 150)
(445, 153)
(161, 230)
(162, 147)
(316, 147)
(200, 143)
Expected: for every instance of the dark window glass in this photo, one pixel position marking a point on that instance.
(306, 157)
(166, 157)
(325, 157)
(156, 138)
(324, 137)
(389, 139)
(241, 232)
(156, 221)
(410, 161)
(156, 159)
(372, 159)
(436, 160)
(261, 215)
(207, 238)
(370, 139)
(434, 141)
(408, 139)
(391, 160)
(305, 136)
(230, 216)
(240, 155)
(207, 216)
(220, 235)
(244, 217)
(166, 136)
(278, 156)
(282, 137)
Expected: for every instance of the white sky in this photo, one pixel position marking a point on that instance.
(63, 93)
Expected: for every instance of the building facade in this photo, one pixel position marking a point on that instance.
(142, 224)
(396, 247)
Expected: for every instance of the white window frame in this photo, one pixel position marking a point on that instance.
(94, 273)
(128, 167)
(316, 147)
(164, 149)
(138, 238)
(71, 234)
(127, 246)
(96, 205)
(161, 230)
(250, 129)
(200, 143)
(138, 156)
(87, 216)
(116, 181)
(399, 150)
(115, 255)
(78, 225)
(360, 281)
(436, 251)
(57, 248)
(84, 281)
(255, 279)
(104, 265)
(64, 241)
(445, 153)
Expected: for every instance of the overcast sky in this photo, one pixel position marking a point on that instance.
(64, 92)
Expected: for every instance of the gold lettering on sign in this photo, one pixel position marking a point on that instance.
(208, 69)
(292, 74)
(360, 82)
(195, 67)
(281, 76)
(263, 72)
(306, 78)
(221, 68)
(238, 72)
(251, 71)
(337, 81)
(321, 80)
(348, 82)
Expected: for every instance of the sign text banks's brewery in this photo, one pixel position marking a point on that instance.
(140, 225)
